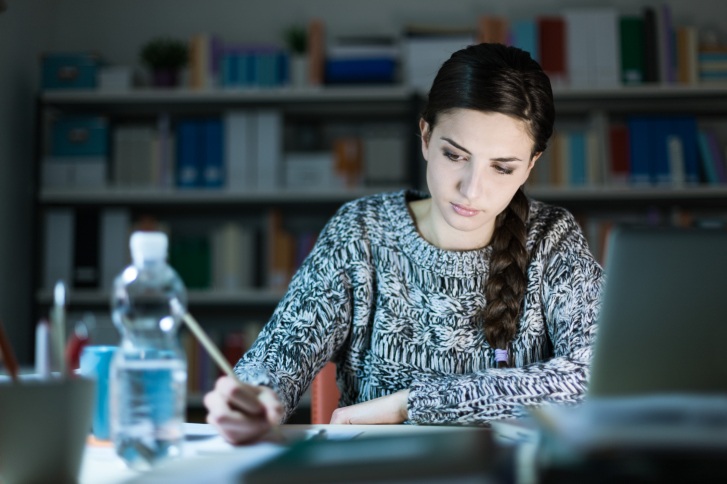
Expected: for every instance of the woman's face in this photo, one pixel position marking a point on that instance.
(476, 162)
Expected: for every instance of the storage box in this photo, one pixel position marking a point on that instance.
(80, 136)
(74, 172)
(67, 70)
(310, 170)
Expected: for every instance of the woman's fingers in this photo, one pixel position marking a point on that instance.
(235, 427)
(240, 396)
(274, 411)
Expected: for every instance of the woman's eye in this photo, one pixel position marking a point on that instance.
(501, 170)
(451, 156)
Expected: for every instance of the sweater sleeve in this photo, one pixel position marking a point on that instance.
(570, 292)
(309, 325)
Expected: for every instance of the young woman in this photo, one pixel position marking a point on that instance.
(459, 307)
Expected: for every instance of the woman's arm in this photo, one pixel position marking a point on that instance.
(571, 292)
(310, 324)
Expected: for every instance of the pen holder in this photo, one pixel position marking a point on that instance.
(43, 429)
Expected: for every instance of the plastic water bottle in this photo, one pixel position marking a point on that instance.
(148, 376)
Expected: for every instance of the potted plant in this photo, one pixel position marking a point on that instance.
(296, 40)
(165, 57)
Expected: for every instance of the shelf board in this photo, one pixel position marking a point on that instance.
(226, 96)
(352, 94)
(247, 297)
(208, 197)
(625, 193)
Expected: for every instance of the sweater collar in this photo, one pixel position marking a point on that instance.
(422, 253)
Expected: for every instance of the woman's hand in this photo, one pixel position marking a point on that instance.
(242, 413)
(391, 409)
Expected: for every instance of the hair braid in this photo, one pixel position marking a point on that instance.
(507, 282)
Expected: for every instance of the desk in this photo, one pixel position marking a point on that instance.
(208, 458)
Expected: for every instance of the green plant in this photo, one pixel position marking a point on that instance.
(164, 53)
(295, 38)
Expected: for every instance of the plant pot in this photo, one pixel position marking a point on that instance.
(165, 78)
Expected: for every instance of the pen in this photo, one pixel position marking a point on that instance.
(58, 329)
(42, 349)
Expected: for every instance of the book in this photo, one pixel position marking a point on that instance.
(384, 152)
(233, 255)
(639, 150)
(652, 63)
(606, 39)
(315, 50)
(59, 235)
(492, 29)
(708, 163)
(717, 158)
(675, 150)
(620, 163)
(189, 146)
(525, 36)
(631, 30)
(86, 249)
(578, 165)
(425, 54)
(551, 31)
(269, 148)
(686, 47)
(190, 256)
(213, 171)
(580, 47)
(348, 160)
(240, 139)
(666, 39)
(115, 232)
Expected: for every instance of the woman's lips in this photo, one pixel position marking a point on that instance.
(463, 211)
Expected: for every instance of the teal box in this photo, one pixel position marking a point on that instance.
(69, 70)
(80, 136)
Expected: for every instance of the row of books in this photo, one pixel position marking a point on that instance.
(643, 150)
(598, 228)
(88, 247)
(239, 151)
(582, 46)
(214, 63)
(202, 372)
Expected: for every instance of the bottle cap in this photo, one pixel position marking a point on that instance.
(148, 246)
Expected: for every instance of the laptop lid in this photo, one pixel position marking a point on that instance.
(662, 326)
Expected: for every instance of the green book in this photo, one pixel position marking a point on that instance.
(632, 50)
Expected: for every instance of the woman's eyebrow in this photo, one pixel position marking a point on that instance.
(504, 159)
(455, 145)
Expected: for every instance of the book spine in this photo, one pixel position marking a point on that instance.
(639, 145)
(115, 223)
(59, 246)
(708, 163)
(214, 158)
(552, 42)
(315, 49)
(86, 249)
(717, 159)
(651, 46)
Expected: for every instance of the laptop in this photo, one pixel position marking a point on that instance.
(662, 326)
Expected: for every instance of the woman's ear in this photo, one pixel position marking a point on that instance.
(426, 135)
(532, 163)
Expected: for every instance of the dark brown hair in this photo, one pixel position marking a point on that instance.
(494, 78)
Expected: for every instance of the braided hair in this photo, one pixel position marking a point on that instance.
(494, 78)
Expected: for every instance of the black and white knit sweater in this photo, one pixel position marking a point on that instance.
(395, 312)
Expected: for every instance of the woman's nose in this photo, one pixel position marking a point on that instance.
(472, 183)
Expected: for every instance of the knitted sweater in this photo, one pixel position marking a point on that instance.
(395, 312)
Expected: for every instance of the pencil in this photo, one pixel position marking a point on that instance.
(209, 345)
(8, 355)
(205, 340)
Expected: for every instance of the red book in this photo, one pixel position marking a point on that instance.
(620, 159)
(552, 46)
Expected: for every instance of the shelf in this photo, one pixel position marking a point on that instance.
(225, 96)
(351, 94)
(625, 193)
(207, 197)
(247, 297)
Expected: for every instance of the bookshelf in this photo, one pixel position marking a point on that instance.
(595, 206)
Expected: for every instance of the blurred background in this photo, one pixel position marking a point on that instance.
(239, 127)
